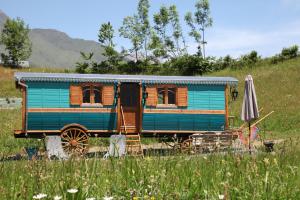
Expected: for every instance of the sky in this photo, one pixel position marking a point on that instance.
(238, 26)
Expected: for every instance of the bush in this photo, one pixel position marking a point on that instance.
(289, 53)
(190, 65)
(249, 59)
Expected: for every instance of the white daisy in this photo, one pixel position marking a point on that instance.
(108, 198)
(72, 191)
(221, 196)
(57, 198)
(39, 196)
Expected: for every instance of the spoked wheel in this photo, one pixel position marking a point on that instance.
(74, 141)
(186, 146)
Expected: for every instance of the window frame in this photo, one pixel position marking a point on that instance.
(92, 95)
(166, 96)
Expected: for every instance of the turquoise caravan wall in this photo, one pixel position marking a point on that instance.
(200, 97)
(56, 95)
(48, 95)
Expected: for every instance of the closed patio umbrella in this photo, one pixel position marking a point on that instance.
(249, 108)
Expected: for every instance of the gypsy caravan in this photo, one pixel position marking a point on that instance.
(79, 106)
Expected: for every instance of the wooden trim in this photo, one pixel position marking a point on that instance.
(119, 108)
(174, 132)
(59, 131)
(140, 123)
(73, 110)
(184, 111)
(23, 108)
(166, 85)
(226, 107)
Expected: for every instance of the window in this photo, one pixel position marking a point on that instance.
(166, 95)
(91, 94)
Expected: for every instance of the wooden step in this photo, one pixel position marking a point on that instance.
(133, 140)
(132, 136)
(133, 144)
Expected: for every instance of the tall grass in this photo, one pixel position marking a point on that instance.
(261, 176)
(7, 81)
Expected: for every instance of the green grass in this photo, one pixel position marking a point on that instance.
(261, 176)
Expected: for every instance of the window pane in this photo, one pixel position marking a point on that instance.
(86, 92)
(161, 95)
(171, 96)
(97, 95)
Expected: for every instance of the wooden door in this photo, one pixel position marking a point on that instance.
(130, 107)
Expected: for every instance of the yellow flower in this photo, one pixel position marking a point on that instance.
(266, 161)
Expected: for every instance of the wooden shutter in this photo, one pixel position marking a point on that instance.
(75, 95)
(152, 96)
(182, 96)
(108, 95)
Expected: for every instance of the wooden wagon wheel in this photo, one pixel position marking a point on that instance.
(186, 146)
(74, 141)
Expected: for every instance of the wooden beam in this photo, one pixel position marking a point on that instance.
(140, 120)
(184, 111)
(226, 107)
(119, 108)
(72, 110)
(23, 108)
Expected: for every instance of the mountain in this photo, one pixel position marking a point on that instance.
(53, 48)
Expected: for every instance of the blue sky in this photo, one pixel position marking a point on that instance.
(239, 26)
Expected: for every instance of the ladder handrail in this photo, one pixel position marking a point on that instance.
(123, 117)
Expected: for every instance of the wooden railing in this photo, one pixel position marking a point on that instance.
(123, 117)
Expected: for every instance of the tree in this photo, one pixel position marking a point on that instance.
(82, 67)
(132, 30)
(16, 40)
(161, 20)
(105, 37)
(168, 35)
(143, 15)
(199, 22)
(177, 30)
(106, 34)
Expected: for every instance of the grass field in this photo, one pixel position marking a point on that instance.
(261, 176)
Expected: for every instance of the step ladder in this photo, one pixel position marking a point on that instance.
(133, 140)
(133, 144)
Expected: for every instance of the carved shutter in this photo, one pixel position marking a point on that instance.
(75, 95)
(152, 96)
(108, 95)
(182, 96)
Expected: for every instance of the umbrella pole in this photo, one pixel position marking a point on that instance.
(249, 138)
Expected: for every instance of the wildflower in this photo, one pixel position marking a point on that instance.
(39, 196)
(108, 198)
(91, 198)
(57, 198)
(72, 191)
(266, 161)
(229, 174)
(221, 196)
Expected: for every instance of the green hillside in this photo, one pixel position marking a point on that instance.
(278, 89)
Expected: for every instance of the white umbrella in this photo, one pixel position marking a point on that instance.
(249, 108)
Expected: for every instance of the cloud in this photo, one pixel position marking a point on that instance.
(235, 42)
